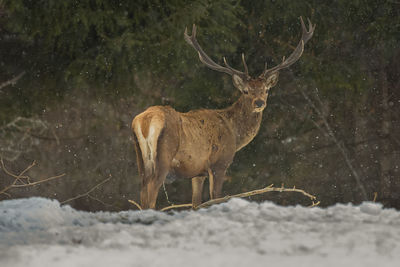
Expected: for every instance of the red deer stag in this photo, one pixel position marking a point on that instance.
(203, 142)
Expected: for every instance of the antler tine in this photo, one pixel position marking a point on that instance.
(296, 54)
(306, 35)
(206, 60)
(244, 75)
(226, 63)
(246, 70)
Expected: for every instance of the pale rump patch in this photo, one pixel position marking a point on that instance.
(148, 139)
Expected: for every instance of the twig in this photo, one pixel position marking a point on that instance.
(17, 178)
(166, 194)
(16, 136)
(375, 196)
(40, 181)
(21, 175)
(394, 139)
(86, 194)
(135, 203)
(100, 201)
(314, 204)
(269, 188)
(12, 81)
(177, 207)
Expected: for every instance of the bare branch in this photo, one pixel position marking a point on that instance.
(166, 194)
(16, 136)
(328, 130)
(135, 203)
(269, 188)
(339, 144)
(18, 178)
(12, 81)
(87, 194)
(100, 201)
(40, 181)
(177, 207)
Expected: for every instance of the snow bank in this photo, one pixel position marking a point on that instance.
(40, 232)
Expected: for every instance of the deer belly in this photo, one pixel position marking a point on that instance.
(188, 166)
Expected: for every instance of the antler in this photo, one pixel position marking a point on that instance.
(296, 54)
(209, 62)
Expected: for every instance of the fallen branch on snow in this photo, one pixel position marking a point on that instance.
(189, 205)
(269, 188)
(135, 203)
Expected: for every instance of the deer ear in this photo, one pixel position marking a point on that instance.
(239, 84)
(272, 80)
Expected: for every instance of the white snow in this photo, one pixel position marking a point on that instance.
(40, 232)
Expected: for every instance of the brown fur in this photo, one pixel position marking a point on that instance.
(203, 142)
(195, 144)
(145, 123)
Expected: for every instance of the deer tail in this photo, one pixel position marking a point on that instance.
(147, 128)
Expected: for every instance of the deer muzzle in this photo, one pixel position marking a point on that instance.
(259, 105)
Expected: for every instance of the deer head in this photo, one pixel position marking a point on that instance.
(256, 89)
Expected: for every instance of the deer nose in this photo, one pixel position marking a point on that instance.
(259, 103)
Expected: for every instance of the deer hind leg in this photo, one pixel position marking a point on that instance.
(147, 128)
(197, 190)
(144, 196)
(144, 201)
(150, 189)
(153, 188)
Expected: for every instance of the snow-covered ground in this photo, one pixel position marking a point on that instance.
(40, 232)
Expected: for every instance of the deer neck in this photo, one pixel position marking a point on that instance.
(245, 122)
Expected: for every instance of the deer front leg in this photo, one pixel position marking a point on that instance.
(197, 190)
(216, 179)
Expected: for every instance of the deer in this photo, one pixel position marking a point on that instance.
(202, 143)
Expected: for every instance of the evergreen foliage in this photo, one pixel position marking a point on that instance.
(111, 50)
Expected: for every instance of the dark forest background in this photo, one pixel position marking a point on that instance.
(73, 74)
